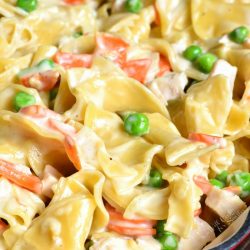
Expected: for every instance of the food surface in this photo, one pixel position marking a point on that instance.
(124, 124)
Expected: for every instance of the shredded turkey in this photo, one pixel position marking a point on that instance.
(226, 204)
(201, 234)
(169, 87)
(50, 177)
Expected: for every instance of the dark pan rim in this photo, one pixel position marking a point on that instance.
(240, 240)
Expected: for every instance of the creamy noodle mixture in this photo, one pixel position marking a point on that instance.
(124, 124)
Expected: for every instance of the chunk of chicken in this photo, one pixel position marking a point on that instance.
(222, 67)
(50, 177)
(226, 204)
(201, 234)
(169, 87)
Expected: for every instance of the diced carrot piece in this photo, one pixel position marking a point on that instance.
(38, 112)
(129, 227)
(164, 66)
(74, 2)
(157, 16)
(233, 189)
(112, 47)
(137, 69)
(202, 183)
(69, 60)
(42, 81)
(132, 231)
(21, 178)
(208, 139)
(71, 150)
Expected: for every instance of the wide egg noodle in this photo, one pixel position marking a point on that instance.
(65, 223)
(18, 213)
(177, 149)
(7, 96)
(41, 146)
(207, 105)
(94, 180)
(102, 89)
(129, 159)
(217, 17)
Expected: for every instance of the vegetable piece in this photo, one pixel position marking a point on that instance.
(23, 99)
(222, 176)
(239, 35)
(205, 62)
(52, 120)
(241, 179)
(160, 227)
(217, 183)
(113, 47)
(136, 124)
(42, 66)
(155, 178)
(40, 76)
(45, 64)
(202, 183)
(157, 16)
(74, 2)
(129, 227)
(21, 176)
(69, 60)
(133, 6)
(168, 241)
(137, 69)
(43, 81)
(164, 66)
(27, 5)
(233, 189)
(208, 139)
(192, 52)
(132, 231)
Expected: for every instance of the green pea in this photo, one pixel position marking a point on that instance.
(45, 64)
(53, 93)
(241, 179)
(192, 52)
(217, 183)
(222, 176)
(133, 6)
(136, 124)
(239, 35)
(77, 34)
(168, 241)
(160, 227)
(27, 5)
(23, 99)
(205, 62)
(155, 178)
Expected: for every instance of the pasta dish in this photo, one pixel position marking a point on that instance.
(124, 124)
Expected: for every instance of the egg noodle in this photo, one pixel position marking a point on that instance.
(124, 124)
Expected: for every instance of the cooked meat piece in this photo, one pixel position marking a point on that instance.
(201, 234)
(169, 87)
